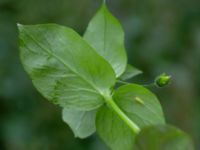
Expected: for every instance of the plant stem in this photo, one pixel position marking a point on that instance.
(110, 102)
(150, 85)
(122, 82)
(146, 85)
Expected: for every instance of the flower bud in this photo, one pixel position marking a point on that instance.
(162, 80)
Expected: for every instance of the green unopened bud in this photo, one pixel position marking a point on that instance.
(162, 80)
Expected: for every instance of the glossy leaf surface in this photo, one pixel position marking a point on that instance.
(63, 67)
(114, 132)
(106, 36)
(139, 104)
(82, 123)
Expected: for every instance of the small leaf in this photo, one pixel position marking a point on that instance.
(63, 67)
(130, 72)
(163, 137)
(82, 123)
(139, 104)
(106, 36)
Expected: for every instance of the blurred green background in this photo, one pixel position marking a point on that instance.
(161, 36)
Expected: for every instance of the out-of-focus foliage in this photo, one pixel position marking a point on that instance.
(161, 36)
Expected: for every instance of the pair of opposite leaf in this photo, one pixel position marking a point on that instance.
(79, 74)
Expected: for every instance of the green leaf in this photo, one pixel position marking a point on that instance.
(82, 123)
(106, 35)
(130, 72)
(139, 105)
(113, 130)
(163, 137)
(63, 67)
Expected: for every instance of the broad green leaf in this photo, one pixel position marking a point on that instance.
(82, 123)
(163, 137)
(106, 36)
(113, 130)
(63, 67)
(139, 104)
(130, 72)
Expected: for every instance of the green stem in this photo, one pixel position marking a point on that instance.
(150, 85)
(122, 82)
(110, 102)
(146, 85)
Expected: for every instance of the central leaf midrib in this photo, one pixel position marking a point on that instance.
(60, 60)
(121, 114)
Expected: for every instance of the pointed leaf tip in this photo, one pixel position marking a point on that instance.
(19, 26)
(106, 36)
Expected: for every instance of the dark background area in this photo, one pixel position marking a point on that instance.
(161, 36)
